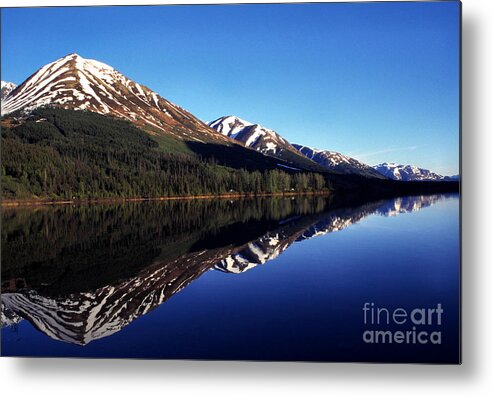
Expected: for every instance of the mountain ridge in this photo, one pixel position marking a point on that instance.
(262, 139)
(73, 83)
(396, 171)
(338, 162)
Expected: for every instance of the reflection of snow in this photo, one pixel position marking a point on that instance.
(271, 245)
(9, 317)
(80, 318)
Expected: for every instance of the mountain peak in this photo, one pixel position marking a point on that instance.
(76, 83)
(229, 125)
(71, 82)
(251, 135)
(71, 55)
(74, 60)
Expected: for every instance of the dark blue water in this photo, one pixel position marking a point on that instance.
(288, 286)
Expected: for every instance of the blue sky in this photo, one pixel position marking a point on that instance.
(378, 81)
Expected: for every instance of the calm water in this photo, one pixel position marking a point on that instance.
(279, 279)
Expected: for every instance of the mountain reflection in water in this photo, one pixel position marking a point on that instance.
(85, 272)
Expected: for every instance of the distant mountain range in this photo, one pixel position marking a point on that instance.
(410, 173)
(269, 142)
(75, 83)
(338, 162)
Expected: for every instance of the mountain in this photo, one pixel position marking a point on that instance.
(73, 82)
(77, 109)
(338, 162)
(74, 130)
(408, 173)
(261, 139)
(6, 89)
(251, 135)
(67, 154)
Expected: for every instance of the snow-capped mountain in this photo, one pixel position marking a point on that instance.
(338, 162)
(263, 140)
(251, 135)
(229, 125)
(73, 82)
(407, 172)
(6, 89)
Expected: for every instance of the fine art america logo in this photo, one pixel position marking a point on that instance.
(402, 326)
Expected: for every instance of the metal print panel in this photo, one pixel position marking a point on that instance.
(247, 182)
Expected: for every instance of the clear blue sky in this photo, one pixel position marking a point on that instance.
(378, 81)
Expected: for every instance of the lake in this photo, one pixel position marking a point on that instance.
(324, 278)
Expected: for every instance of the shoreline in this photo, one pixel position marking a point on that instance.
(85, 201)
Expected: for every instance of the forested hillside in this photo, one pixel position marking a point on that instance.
(56, 153)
